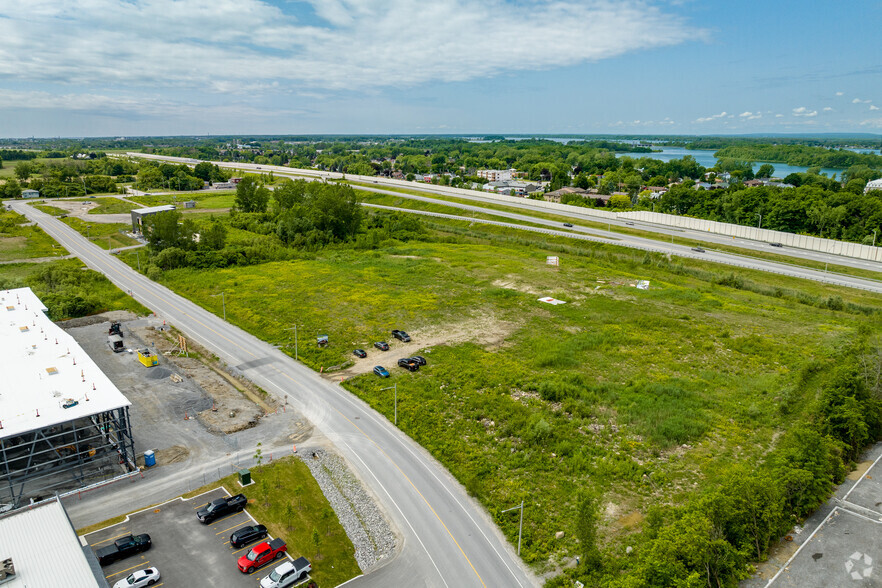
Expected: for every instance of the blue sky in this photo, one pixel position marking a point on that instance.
(167, 67)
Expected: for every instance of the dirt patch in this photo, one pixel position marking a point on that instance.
(12, 243)
(630, 520)
(859, 471)
(779, 554)
(85, 321)
(236, 405)
(173, 454)
(511, 283)
(484, 330)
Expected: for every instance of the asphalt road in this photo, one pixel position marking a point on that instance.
(447, 538)
(531, 206)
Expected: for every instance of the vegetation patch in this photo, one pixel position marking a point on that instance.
(21, 240)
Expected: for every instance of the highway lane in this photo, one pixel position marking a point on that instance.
(447, 539)
(531, 206)
(612, 238)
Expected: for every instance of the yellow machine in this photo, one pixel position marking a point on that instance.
(147, 357)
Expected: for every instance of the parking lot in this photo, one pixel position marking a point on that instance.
(846, 548)
(186, 552)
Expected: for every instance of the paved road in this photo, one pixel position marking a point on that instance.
(448, 539)
(531, 206)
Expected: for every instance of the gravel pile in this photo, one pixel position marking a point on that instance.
(360, 517)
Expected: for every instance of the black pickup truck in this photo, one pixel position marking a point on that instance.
(221, 507)
(123, 548)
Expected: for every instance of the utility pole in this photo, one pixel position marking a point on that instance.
(760, 224)
(521, 525)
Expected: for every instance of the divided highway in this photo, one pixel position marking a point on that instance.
(447, 539)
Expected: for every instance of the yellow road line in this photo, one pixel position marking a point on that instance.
(127, 569)
(226, 518)
(111, 539)
(227, 529)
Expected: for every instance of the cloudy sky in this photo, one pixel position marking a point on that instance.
(181, 67)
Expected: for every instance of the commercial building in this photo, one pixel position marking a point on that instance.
(139, 214)
(873, 185)
(63, 424)
(40, 549)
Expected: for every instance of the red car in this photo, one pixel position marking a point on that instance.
(261, 554)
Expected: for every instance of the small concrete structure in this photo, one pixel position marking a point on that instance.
(190, 204)
(139, 213)
(30, 193)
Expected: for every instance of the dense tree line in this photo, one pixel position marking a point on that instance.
(801, 155)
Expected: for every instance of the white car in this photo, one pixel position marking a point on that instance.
(145, 577)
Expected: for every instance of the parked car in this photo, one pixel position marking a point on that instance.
(287, 574)
(123, 548)
(261, 554)
(419, 359)
(139, 579)
(381, 371)
(568, 224)
(359, 353)
(698, 249)
(246, 535)
(382, 345)
(221, 507)
(408, 364)
(401, 335)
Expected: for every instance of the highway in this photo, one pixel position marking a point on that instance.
(447, 539)
(527, 205)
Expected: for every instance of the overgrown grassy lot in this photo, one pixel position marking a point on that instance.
(213, 199)
(388, 200)
(640, 397)
(20, 240)
(286, 498)
(111, 206)
(104, 235)
(68, 288)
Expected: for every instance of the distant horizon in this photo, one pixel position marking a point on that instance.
(827, 135)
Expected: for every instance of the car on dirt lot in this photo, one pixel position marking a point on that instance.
(359, 353)
(408, 364)
(382, 345)
(401, 335)
(381, 371)
(419, 359)
(246, 535)
(261, 554)
(139, 579)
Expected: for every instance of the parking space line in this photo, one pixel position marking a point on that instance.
(804, 543)
(227, 529)
(127, 569)
(225, 518)
(115, 537)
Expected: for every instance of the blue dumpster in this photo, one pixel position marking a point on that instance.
(149, 458)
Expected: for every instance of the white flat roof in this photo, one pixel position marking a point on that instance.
(44, 549)
(152, 209)
(43, 367)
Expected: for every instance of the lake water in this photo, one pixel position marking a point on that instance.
(705, 157)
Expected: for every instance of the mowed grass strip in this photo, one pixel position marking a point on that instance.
(21, 241)
(104, 235)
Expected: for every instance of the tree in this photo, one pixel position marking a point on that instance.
(203, 171)
(251, 196)
(620, 201)
(587, 517)
(12, 189)
(23, 170)
(163, 230)
(258, 454)
(289, 515)
(765, 171)
(317, 541)
(327, 516)
(215, 236)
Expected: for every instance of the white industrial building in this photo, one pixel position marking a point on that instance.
(873, 185)
(63, 423)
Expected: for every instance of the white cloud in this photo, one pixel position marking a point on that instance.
(747, 115)
(828, 109)
(803, 111)
(872, 122)
(873, 107)
(243, 46)
(839, 93)
(779, 116)
(859, 101)
(705, 119)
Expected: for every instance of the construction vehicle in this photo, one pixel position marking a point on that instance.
(115, 342)
(115, 329)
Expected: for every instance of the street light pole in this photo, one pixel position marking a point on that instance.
(521, 525)
(760, 224)
(874, 237)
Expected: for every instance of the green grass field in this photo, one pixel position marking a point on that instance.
(104, 235)
(21, 241)
(111, 206)
(213, 199)
(374, 198)
(641, 396)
